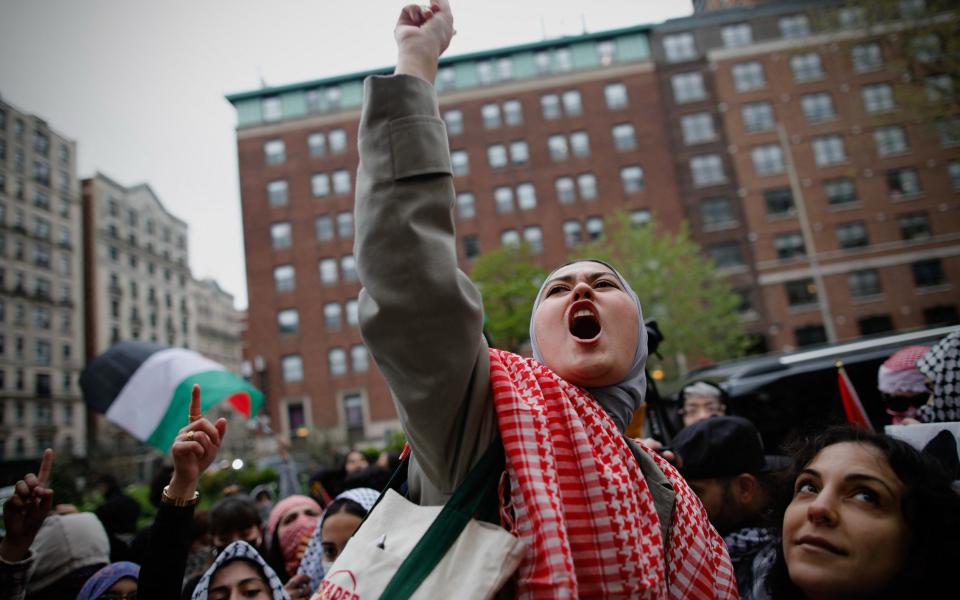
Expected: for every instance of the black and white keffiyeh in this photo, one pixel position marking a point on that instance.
(753, 550)
(244, 551)
(941, 365)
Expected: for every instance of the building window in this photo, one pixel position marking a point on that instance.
(345, 225)
(587, 185)
(580, 143)
(911, 8)
(274, 152)
(606, 52)
(817, 107)
(890, 140)
(794, 26)
(271, 108)
(757, 116)
(877, 98)
(566, 192)
(491, 116)
(353, 413)
(789, 245)
(939, 88)
(840, 191)
(748, 76)
(727, 255)
(454, 122)
(533, 236)
(632, 179)
(317, 144)
(779, 202)
(737, 35)
(903, 183)
(572, 233)
(332, 315)
(341, 182)
(281, 235)
(512, 112)
(616, 96)
(768, 159)
(353, 313)
(697, 128)
(519, 152)
(810, 335)
(944, 314)
(460, 162)
(497, 156)
(926, 48)
(927, 273)
(348, 265)
(688, 87)
(283, 278)
(323, 226)
(953, 169)
(359, 358)
(828, 150)
(875, 324)
(864, 283)
(277, 192)
(509, 237)
(679, 47)
(557, 145)
(471, 246)
(337, 361)
(288, 320)
(866, 57)
(328, 271)
(503, 199)
(915, 226)
(320, 185)
(806, 67)
(707, 170)
(948, 130)
(526, 196)
(716, 212)
(572, 103)
(292, 368)
(802, 292)
(852, 235)
(485, 72)
(466, 205)
(594, 228)
(338, 141)
(550, 104)
(624, 137)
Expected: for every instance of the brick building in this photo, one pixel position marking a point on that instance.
(798, 176)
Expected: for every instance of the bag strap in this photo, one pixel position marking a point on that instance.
(478, 487)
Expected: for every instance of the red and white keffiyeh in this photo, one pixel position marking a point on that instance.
(583, 508)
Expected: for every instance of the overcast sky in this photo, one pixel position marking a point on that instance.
(139, 85)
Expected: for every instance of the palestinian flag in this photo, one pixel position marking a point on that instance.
(145, 389)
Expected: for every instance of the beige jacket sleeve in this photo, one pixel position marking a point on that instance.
(420, 316)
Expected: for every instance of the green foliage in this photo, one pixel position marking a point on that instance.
(212, 484)
(509, 279)
(694, 306)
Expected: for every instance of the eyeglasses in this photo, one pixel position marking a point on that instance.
(118, 596)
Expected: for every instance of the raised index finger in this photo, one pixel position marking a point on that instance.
(194, 412)
(46, 464)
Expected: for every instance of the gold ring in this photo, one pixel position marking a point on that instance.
(189, 436)
(193, 418)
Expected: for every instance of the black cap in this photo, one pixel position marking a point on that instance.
(723, 447)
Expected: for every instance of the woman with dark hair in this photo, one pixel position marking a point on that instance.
(870, 517)
(240, 572)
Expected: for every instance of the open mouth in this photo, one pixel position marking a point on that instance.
(584, 324)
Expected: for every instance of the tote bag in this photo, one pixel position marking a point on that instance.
(403, 550)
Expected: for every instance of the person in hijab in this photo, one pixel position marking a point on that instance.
(902, 384)
(118, 579)
(338, 523)
(941, 367)
(598, 517)
(240, 571)
(289, 527)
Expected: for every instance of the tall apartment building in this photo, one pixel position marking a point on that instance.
(848, 199)
(215, 330)
(41, 325)
(546, 140)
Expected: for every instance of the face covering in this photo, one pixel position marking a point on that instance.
(294, 538)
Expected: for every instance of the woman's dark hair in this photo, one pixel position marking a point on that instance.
(930, 507)
(234, 513)
(274, 557)
(346, 505)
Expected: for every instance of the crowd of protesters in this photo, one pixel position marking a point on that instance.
(845, 513)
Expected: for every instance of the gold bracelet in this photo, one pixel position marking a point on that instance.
(166, 498)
